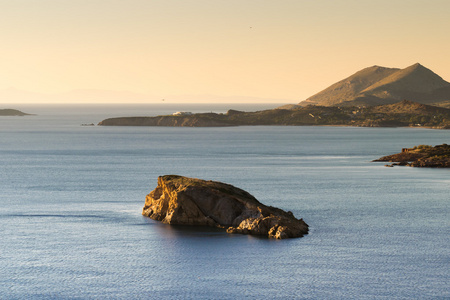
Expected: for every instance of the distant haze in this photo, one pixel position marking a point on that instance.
(11, 96)
(138, 51)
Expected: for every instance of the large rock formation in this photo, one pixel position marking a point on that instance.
(191, 201)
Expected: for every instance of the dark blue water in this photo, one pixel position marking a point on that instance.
(71, 200)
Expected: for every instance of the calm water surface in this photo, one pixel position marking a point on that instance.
(71, 199)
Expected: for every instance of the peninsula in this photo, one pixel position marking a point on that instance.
(191, 201)
(420, 156)
(401, 114)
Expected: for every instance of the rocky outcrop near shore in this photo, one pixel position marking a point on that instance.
(423, 156)
(191, 201)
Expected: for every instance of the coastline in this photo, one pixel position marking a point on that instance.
(402, 114)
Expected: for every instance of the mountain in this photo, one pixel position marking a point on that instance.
(349, 88)
(379, 85)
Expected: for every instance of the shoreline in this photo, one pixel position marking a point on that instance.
(402, 114)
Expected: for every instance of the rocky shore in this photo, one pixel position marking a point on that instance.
(420, 156)
(191, 201)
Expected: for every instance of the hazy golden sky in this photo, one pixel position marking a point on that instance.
(285, 49)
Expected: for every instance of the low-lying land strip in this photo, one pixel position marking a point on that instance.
(402, 114)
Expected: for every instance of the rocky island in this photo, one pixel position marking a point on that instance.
(421, 156)
(12, 112)
(191, 201)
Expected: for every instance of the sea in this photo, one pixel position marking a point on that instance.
(71, 198)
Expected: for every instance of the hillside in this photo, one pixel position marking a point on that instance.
(378, 85)
(349, 88)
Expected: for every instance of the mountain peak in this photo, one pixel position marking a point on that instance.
(417, 67)
(379, 85)
(351, 86)
(413, 79)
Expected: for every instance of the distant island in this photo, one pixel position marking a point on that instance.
(12, 112)
(401, 114)
(420, 156)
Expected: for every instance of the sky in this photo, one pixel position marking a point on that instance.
(211, 50)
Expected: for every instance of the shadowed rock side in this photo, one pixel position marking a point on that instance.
(190, 201)
(421, 156)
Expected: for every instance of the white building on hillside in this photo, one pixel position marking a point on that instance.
(182, 113)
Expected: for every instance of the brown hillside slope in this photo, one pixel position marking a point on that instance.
(349, 88)
(415, 83)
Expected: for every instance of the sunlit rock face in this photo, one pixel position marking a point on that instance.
(190, 201)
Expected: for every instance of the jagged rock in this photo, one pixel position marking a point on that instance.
(190, 201)
(423, 156)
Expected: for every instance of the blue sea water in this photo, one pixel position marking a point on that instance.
(71, 199)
